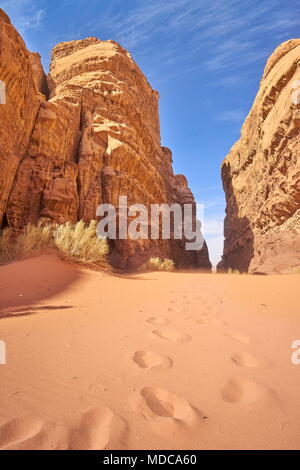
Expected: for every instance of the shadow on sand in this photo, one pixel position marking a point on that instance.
(27, 282)
(30, 310)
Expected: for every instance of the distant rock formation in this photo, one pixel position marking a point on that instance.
(83, 136)
(261, 174)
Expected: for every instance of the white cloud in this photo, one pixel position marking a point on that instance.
(215, 248)
(24, 14)
(212, 227)
(232, 33)
(236, 116)
(212, 214)
(213, 201)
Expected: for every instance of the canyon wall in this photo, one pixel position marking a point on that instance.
(84, 136)
(261, 174)
(18, 115)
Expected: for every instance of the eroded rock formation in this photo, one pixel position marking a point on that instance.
(18, 115)
(85, 136)
(261, 174)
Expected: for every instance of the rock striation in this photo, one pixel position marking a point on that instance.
(83, 136)
(261, 174)
(18, 115)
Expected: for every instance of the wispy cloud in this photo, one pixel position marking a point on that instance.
(221, 36)
(233, 54)
(212, 227)
(234, 116)
(26, 14)
(215, 248)
(212, 216)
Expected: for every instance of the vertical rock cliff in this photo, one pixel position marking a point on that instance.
(261, 174)
(85, 136)
(18, 115)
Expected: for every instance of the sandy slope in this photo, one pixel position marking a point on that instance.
(149, 361)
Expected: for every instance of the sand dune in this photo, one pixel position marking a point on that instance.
(148, 361)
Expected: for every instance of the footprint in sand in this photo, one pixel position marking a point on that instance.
(238, 337)
(158, 321)
(214, 322)
(200, 316)
(19, 430)
(94, 430)
(172, 335)
(162, 403)
(149, 360)
(245, 390)
(184, 303)
(244, 359)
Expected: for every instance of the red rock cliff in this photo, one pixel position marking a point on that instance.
(18, 115)
(94, 138)
(261, 174)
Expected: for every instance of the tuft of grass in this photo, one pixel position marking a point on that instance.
(81, 243)
(33, 238)
(78, 242)
(233, 271)
(157, 264)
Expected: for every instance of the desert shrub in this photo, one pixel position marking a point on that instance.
(78, 242)
(81, 243)
(34, 238)
(233, 271)
(157, 264)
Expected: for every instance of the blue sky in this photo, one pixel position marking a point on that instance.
(204, 57)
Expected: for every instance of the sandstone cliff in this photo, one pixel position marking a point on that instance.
(261, 174)
(85, 136)
(18, 115)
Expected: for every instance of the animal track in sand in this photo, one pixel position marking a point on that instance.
(238, 337)
(162, 321)
(165, 404)
(94, 430)
(149, 360)
(172, 335)
(245, 390)
(244, 359)
(19, 430)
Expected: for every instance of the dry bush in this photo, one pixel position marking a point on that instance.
(78, 242)
(233, 271)
(81, 243)
(34, 238)
(157, 264)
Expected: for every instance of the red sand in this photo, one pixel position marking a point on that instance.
(150, 361)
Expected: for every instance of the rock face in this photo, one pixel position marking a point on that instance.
(261, 174)
(18, 115)
(85, 136)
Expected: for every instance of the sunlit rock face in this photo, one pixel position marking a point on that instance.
(21, 101)
(261, 174)
(87, 135)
